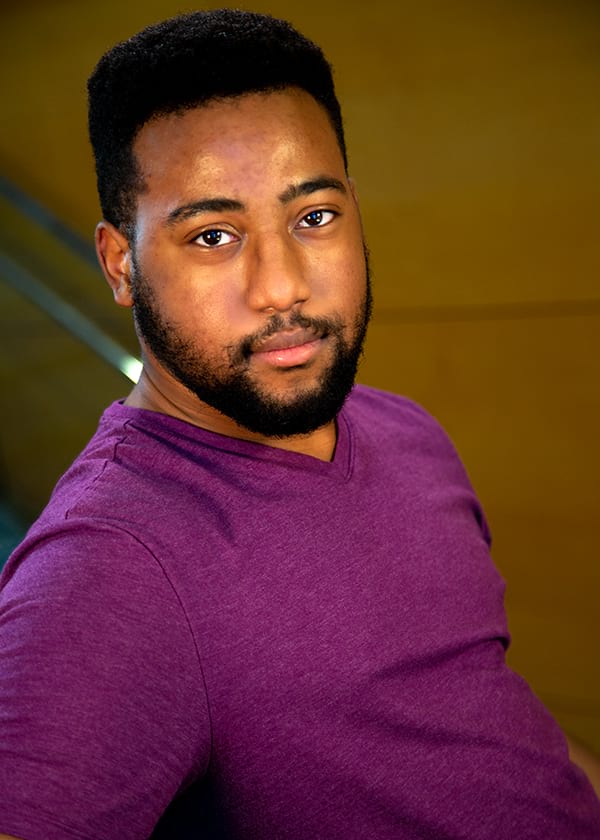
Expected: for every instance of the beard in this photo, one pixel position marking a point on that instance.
(231, 389)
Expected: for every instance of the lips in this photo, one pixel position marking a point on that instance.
(288, 348)
(285, 339)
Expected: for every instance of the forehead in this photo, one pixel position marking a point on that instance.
(238, 144)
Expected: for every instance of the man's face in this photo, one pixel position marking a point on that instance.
(249, 276)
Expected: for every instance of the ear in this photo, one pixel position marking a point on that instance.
(114, 256)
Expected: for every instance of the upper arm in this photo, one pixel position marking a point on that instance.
(103, 710)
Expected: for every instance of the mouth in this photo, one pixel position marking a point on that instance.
(288, 348)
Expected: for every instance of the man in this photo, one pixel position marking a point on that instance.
(260, 604)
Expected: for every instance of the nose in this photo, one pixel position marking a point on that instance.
(277, 275)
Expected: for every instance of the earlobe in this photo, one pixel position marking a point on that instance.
(114, 256)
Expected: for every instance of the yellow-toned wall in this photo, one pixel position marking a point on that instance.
(474, 136)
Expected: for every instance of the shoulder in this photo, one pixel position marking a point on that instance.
(384, 413)
(94, 576)
(119, 484)
(398, 434)
(364, 398)
(96, 639)
(396, 430)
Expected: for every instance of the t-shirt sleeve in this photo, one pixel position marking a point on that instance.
(103, 711)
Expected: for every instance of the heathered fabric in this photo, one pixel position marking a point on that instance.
(306, 650)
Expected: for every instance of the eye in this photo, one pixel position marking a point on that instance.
(316, 218)
(214, 237)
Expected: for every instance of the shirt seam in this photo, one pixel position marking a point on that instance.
(179, 600)
(96, 478)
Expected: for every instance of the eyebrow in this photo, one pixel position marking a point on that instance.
(308, 187)
(203, 205)
(221, 204)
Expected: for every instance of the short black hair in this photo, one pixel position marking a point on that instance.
(185, 62)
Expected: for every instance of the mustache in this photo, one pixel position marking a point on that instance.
(320, 326)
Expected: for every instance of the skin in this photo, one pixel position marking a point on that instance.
(287, 238)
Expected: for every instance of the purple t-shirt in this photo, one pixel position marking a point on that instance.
(281, 648)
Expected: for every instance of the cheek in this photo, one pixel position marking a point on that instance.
(353, 279)
(339, 273)
(212, 315)
(182, 295)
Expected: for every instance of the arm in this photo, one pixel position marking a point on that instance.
(98, 666)
(586, 761)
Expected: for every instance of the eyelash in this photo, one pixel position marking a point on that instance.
(322, 218)
(209, 232)
(331, 214)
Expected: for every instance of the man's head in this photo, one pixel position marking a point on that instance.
(231, 226)
(183, 63)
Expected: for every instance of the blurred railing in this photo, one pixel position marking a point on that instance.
(66, 351)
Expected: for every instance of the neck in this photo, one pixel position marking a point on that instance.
(172, 399)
